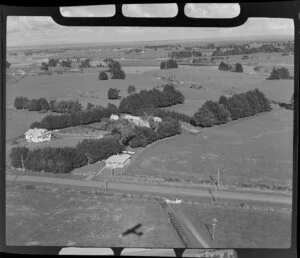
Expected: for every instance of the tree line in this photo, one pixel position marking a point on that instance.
(41, 104)
(64, 160)
(232, 108)
(184, 54)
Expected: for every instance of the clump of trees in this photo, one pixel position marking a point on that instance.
(53, 62)
(113, 93)
(279, 73)
(66, 63)
(44, 66)
(238, 68)
(115, 69)
(232, 108)
(147, 99)
(51, 122)
(103, 76)
(7, 64)
(168, 64)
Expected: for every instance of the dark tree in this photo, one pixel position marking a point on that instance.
(113, 93)
(103, 76)
(203, 118)
(7, 64)
(44, 67)
(131, 89)
(118, 74)
(53, 62)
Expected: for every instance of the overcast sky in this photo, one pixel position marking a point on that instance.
(43, 30)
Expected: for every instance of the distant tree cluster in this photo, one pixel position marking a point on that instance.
(41, 104)
(279, 73)
(245, 49)
(51, 122)
(85, 63)
(184, 54)
(51, 160)
(144, 136)
(168, 64)
(44, 66)
(53, 62)
(115, 69)
(113, 93)
(131, 89)
(154, 98)
(161, 46)
(232, 108)
(238, 68)
(66, 63)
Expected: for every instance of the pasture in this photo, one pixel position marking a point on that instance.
(241, 228)
(56, 217)
(254, 150)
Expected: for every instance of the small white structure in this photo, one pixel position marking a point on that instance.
(114, 117)
(173, 201)
(118, 161)
(136, 120)
(38, 135)
(128, 152)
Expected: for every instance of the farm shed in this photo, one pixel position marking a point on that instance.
(118, 161)
(38, 135)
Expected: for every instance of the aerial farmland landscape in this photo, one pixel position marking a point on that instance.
(173, 142)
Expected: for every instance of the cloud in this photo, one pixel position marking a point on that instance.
(212, 10)
(150, 10)
(88, 11)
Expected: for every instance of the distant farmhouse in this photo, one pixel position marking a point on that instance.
(136, 119)
(38, 135)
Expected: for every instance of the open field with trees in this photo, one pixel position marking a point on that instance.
(240, 149)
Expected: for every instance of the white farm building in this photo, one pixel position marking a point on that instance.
(38, 135)
(118, 161)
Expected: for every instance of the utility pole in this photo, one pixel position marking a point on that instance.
(106, 183)
(213, 228)
(23, 164)
(218, 182)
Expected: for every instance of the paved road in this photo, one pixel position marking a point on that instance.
(157, 190)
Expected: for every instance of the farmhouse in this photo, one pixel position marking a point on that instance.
(114, 117)
(38, 135)
(118, 161)
(136, 120)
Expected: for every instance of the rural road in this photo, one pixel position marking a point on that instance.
(157, 190)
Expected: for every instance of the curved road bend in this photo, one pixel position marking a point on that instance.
(153, 189)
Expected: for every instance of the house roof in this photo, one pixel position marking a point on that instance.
(118, 158)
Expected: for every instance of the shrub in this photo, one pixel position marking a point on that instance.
(21, 102)
(168, 127)
(131, 89)
(221, 113)
(7, 64)
(203, 118)
(103, 76)
(113, 93)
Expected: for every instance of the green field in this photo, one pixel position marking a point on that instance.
(253, 150)
(241, 228)
(55, 217)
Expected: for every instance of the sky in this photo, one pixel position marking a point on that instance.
(32, 31)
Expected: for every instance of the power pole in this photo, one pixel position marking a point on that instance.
(23, 164)
(213, 228)
(218, 182)
(106, 183)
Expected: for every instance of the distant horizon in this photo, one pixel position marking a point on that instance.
(144, 42)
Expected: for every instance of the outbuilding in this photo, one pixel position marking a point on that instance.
(118, 161)
(38, 135)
